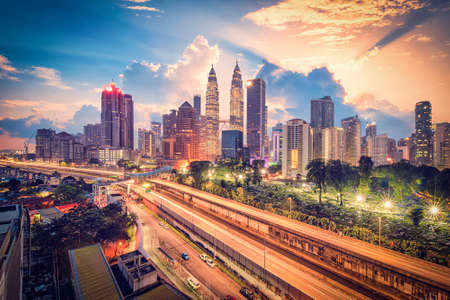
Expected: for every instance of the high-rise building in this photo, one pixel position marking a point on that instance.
(203, 133)
(129, 122)
(322, 112)
(44, 144)
(236, 101)
(377, 149)
(197, 106)
(404, 147)
(423, 136)
(12, 242)
(277, 142)
(332, 143)
(186, 146)
(156, 128)
(352, 142)
(232, 144)
(441, 156)
(391, 149)
(297, 148)
(212, 117)
(117, 118)
(92, 134)
(169, 134)
(371, 129)
(145, 141)
(256, 117)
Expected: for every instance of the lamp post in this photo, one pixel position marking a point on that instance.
(379, 231)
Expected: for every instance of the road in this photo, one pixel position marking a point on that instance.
(419, 268)
(210, 277)
(291, 271)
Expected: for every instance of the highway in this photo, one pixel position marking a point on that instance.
(211, 278)
(418, 268)
(310, 282)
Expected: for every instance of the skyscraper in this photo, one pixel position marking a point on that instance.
(117, 118)
(277, 142)
(212, 117)
(322, 116)
(145, 141)
(256, 117)
(322, 112)
(441, 156)
(44, 144)
(297, 148)
(236, 101)
(371, 129)
(332, 143)
(156, 129)
(186, 138)
(377, 146)
(129, 122)
(352, 142)
(232, 144)
(169, 133)
(92, 134)
(423, 137)
(197, 106)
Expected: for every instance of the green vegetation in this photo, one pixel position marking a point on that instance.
(69, 193)
(411, 201)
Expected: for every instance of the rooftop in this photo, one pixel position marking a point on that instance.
(93, 278)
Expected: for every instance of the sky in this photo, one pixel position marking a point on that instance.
(374, 58)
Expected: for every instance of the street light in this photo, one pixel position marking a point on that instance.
(241, 176)
(387, 204)
(434, 210)
(360, 198)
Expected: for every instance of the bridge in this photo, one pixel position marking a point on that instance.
(377, 270)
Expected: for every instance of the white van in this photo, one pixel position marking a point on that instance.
(193, 283)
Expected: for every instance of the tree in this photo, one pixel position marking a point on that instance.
(14, 185)
(94, 161)
(365, 167)
(341, 176)
(197, 170)
(317, 174)
(69, 193)
(416, 215)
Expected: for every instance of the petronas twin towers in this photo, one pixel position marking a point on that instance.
(211, 122)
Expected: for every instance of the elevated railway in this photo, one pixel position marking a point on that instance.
(384, 272)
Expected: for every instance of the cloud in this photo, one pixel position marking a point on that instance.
(146, 8)
(292, 13)
(7, 142)
(289, 94)
(418, 37)
(87, 114)
(155, 83)
(6, 69)
(23, 127)
(138, 1)
(50, 76)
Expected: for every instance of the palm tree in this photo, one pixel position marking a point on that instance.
(340, 176)
(317, 174)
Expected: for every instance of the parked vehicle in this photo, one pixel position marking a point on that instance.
(203, 256)
(193, 283)
(184, 256)
(210, 262)
(228, 297)
(246, 293)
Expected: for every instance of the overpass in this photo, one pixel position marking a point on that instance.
(378, 270)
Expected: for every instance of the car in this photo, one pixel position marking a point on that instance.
(193, 283)
(141, 205)
(203, 256)
(161, 223)
(246, 293)
(184, 256)
(210, 262)
(228, 297)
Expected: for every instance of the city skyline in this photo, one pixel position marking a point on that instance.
(319, 57)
